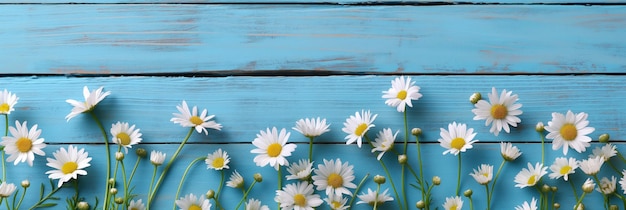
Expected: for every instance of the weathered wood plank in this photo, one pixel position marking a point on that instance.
(341, 2)
(233, 39)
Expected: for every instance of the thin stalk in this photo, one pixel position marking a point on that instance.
(421, 178)
(458, 179)
(245, 194)
(44, 199)
(619, 154)
(606, 200)
(21, 199)
(579, 200)
(571, 183)
(471, 203)
(493, 185)
(406, 203)
(280, 184)
(613, 167)
(406, 133)
(358, 187)
(393, 186)
(167, 167)
(126, 190)
(311, 148)
(150, 188)
(543, 147)
(182, 179)
(108, 151)
(488, 197)
(6, 133)
(132, 174)
(375, 198)
(621, 198)
(219, 189)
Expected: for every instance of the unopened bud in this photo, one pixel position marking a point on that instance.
(588, 186)
(119, 200)
(25, 183)
(613, 207)
(210, 194)
(420, 204)
(554, 188)
(545, 188)
(82, 205)
(141, 152)
(402, 159)
(436, 180)
(111, 182)
(604, 138)
(113, 191)
(379, 179)
(474, 98)
(539, 127)
(556, 205)
(580, 207)
(468, 193)
(416, 131)
(119, 156)
(258, 177)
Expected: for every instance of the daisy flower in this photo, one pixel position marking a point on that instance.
(6, 190)
(453, 203)
(563, 167)
(91, 100)
(254, 204)
(401, 93)
(509, 152)
(218, 160)
(298, 196)
(606, 152)
(235, 180)
(191, 202)
(23, 143)
(622, 181)
(607, 186)
(337, 202)
(591, 166)
(528, 177)
(300, 170)
(371, 198)
(588, 185)
(187, 118)
(500, 112)
(312, 127)
(7, 101)
(457, 138)
(157, 157)
(334, 177)
(68, 164)
(569, 130)
(272, 148)
(125, 135)
(356, 126)
(526, 206)
(483, 174)
(384, 142)
(136, 205)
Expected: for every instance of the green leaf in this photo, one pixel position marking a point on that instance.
(46, 205)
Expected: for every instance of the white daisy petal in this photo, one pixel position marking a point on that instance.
(7, 102)
(456, 139)
(298, 196)
(192, 202)
(357, 126)
(401, 93)
(334, 177)
(500, 111)
(68, 164)
(91, 100)
(125, 135)
(23, 143)
(272, 148)
(191, 119)
(530, 176)
(569, 130)
(372, 198)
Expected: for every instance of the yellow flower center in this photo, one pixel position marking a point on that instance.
(194, 207)
(218, 162)
(486, 174)
(335, 180)
(360, 129)
(273, 150)
(569, 132)
(4, 108)
(196, 120)
(123, 138)
(24, 144)
(299, 200)
(69, 167)
(499, 111)
(453, 207)
(401, 95)
(531, 180)
(335, 205)
(565, 170)
(134, 208)
(457, 143)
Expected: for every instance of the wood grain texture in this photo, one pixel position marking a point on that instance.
(314, 39)
(339, 2)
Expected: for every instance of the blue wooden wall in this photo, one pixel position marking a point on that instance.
(257, 64)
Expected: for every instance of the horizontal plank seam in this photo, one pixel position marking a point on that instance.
(316, 143)
(377, 3)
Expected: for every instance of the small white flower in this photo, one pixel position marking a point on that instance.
(563, 167)
(68, 164)
(606, 152)
(298, 196)
(526, 206)
(312, 127)
(371, 198)
(190, 202)
(453, 203)
(457, 138)
(401, 93)
(157, 157)
(218, 160)
(23, 143)
(6, 190)
(190, 118)
(607, 186)
(300, 170)
(500, 112)
(569, 131)
(357, 126)
(337, 202)
(622, 181)
(235, 180)
(272, 148)
(334, 177)
(508, 151)
(7, 102)
(483, 174)
(91, 100)
(125, 135)
(254, 204)
(528, 177)
(136, 205)
(591, 166)
(384, 142)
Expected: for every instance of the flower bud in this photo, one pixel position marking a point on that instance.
(402, 159)
(556, 205)
(119, 200)
(119, 156)
(258, 177)
(416, 131)
(82, 205)
(468, 193)
(604, 138)
(613, 207)
(539, 127)
(436, 180)
(580, 207)
(554, 188)
(141, 152)
(588, 186)
(111, 182)
(474, 98)
(113, 191)
(25, 183)
(545, 188)
(210, 194)
(379, 179)
(420, 204)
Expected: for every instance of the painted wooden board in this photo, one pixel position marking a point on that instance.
(337, 2)
(247, 39)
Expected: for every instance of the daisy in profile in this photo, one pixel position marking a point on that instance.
(6, 190)
(23, 143)
(483, 174)
(337, 202)
(300, 170)
(607, 186)
(334, 177)
(191, 202)
(312, 127)
(500, 112)
(371, 198)
(157, 158)
(356, 126)
(606, 152)
(526, 206)
(457, 138)
(190, 118)
(453, 203)
(272, 148)
(401, 93)
(7, 101)
(91, 100)
(622, 181)
(235, 180)
(562, 167)
(136, 205)
(384, 142)
(509, 152)
(591, 166)
(298, 196)
(218, 160)
(529, 177)
(569, 130)
(254, 204)
(125, 135)
(68, 164)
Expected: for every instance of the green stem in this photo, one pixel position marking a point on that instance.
(619, 154)
(7, 204)
(182, 179)
(571, 183)
(45, 198)
(150, 188)
(606, 201)
(471, 203)
(488, 197)
(406, 203)
(167, 167)
(245, 195)
(621, 198)
(132, 174)
(126, 184)
(21, 199)
(311, 149)
(580, 200)
(421, 177)
(376, 198)
(613, 167)
(393, 186)
(543, 147)
(493, 185)
(458, 179)
(280, 184)
(356, 191)
(406, 133)
(6, 133)
(219, 189)
(218, 205)
(108, 151)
